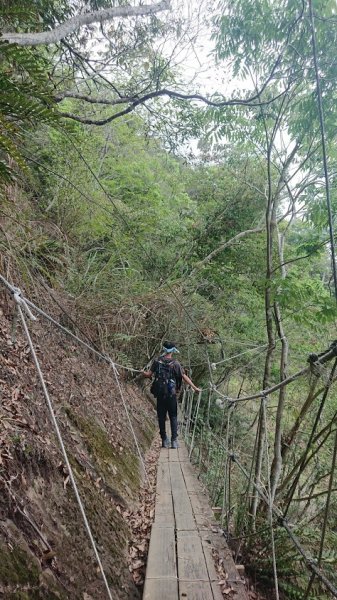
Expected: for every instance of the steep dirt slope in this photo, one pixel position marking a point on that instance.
(44, 550)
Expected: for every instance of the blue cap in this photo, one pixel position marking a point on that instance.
(169, 348)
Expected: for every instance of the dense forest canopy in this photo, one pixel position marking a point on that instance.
(170, 202)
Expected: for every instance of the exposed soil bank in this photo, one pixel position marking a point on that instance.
(44, 549)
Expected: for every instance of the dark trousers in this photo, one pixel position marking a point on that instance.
(164, 406)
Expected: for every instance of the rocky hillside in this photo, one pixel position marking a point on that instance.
(44, 549)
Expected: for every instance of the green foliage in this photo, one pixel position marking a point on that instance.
(34, 14)
(112, 217)
(300, 291)
(25, 101)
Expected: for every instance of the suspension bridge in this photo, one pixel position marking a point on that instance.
(180, 564)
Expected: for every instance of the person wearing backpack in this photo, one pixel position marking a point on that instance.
(168, 377)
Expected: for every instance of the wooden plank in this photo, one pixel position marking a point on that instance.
(237, 585)
(233, 578)
(207, 548)
(183, 452)
(202, 512)
(177, 480)
(217, 594)
(189, 469)
(164, 504)
(173, 456)
(195, 590)
(161, 562)
(210, 539)
(239, 590)
(190, 474)
(163, 478)
(163, 456)
(181, 503)
(185, 522)
(190, 557)
(200, 504)
(164, 521)
(157, 589)
(204, 522)
(164, 510)
(192, 484)
(175, 471)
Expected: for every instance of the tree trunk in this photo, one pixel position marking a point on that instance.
(276, 467)
(270, 226)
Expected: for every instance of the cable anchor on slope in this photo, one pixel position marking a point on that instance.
(20, 300)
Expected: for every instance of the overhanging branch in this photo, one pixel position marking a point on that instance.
(74, 23)
(135, 101)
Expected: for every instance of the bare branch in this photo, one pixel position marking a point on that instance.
(313, 496)
(91, 100)
(292, 260)
(136, 101)
(225, 245)
(74, 23)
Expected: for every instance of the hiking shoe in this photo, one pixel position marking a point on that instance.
(165, 443)
(175, 444)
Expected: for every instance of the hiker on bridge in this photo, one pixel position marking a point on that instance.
(168, 377)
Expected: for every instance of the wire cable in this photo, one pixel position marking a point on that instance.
(282, 521)
(309, 562)
(41, 312)
(195, 423)
(305, 371)
(326, 515)
(27, 304)
(313, 431)
(61, 443)
(229, 358)
(115, 372)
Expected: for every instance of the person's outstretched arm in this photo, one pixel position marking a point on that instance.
(190, 382)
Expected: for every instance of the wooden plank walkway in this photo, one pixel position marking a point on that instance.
(180, 564)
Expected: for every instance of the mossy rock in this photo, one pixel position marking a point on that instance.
(20, 569)
(16, 567)
(120, 469)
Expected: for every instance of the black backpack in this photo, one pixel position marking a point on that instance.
(164, 384)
